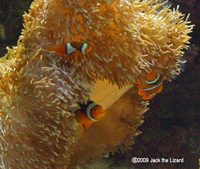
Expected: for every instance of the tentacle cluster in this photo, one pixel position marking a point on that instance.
(37, 87)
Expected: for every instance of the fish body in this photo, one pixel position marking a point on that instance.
(70, 48)
(89, 113)
(151, 86)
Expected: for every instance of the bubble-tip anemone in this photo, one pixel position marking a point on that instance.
(129, 39)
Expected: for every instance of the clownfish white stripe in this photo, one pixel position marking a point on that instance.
(89, 109)
(70, 49)
(154, 81)
(151, 88)
(153, 94)
(84, 47)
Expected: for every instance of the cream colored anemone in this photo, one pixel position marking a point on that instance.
(37, 87)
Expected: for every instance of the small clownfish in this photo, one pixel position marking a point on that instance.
(89, 113)
(152, 85)
(70, 48)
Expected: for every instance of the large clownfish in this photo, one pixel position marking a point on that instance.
(70, 48)
(151, 86)
(89, 113)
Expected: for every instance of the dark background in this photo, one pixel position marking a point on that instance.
(171, 127)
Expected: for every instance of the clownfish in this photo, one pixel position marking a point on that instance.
(70, 48)
(89, 113)
(151, 86)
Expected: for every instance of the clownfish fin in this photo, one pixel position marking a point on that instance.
(86, 125)
(78, 115)
(149, 97)
(83, 119)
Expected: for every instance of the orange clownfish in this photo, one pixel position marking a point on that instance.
(89, 113)
(70, 48)
(151, 86)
